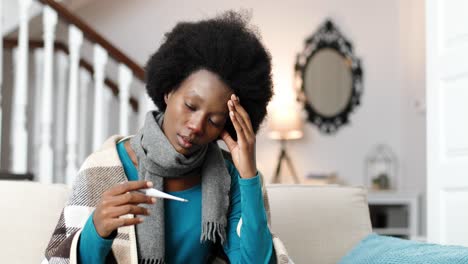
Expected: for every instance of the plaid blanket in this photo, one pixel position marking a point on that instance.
(99, 172)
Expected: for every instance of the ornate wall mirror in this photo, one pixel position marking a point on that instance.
(329, 78)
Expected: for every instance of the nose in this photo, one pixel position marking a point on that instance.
(196, 124)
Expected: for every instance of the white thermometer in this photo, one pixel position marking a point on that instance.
(158, 194)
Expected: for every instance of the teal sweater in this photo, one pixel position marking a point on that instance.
(183, 224)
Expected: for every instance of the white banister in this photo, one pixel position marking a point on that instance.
(145, 104)
(37, 95)
(100, 60)
(1, 60)
(46, 159)
(19, 134)
(109, 108)
(1, 74)
(125, 78)
(60, 101)
(85, 79)
(75, 39)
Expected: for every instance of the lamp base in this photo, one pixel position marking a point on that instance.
(284, 155)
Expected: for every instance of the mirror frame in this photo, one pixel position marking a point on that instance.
(328, 36)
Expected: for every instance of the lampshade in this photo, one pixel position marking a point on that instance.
(285, 122)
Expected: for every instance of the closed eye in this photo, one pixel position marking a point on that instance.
(215, 124)
(190, 107)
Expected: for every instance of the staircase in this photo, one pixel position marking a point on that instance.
(57, 105)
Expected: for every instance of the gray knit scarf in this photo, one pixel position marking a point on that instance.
(157, 160)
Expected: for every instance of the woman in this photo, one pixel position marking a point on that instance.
(210, 80)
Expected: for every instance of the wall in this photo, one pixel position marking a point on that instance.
(413, 114)
(388, 36)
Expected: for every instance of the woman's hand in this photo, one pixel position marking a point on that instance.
(118, 201)
(242, 151)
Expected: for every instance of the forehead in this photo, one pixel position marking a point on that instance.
(205, 86)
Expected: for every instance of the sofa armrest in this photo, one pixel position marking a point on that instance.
(30, 211)
(319, 224)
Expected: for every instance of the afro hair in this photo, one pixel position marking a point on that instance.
(224, 45)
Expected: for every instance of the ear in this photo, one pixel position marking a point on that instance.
(166, 97)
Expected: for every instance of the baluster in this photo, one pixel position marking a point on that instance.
(37, 95)
(134, 119)
(60, 118)
(19, 134)
(75, 39)
(100, 60)
(1, 74)
(147, 104)
(1, 58)
(125, 78)
(109, 108)
(46, 159)
(85, 79)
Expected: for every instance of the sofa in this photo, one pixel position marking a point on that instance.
(30, 211)
(317, 224)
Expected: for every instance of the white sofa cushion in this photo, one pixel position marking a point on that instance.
(30, 211)
(319, 224)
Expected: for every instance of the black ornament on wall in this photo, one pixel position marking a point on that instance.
(329, 78)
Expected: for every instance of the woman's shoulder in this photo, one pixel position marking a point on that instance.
(101, 170)
(104, 157)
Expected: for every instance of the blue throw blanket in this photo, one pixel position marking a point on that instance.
(376, 249)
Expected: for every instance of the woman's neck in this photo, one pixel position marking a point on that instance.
(170, 185)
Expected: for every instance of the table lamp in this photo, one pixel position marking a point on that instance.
(285, 123)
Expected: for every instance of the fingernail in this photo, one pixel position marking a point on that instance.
(231, 113)
(148, 211)
(149, 184)
(140, 220)
(153, 200)
(230, 103)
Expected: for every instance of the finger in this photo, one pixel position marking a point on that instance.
(247, 128)
(120, 222)
(128, 186)
(127, 209)
(131, 198)
(247, 136)
(242, 112)
(230, 143)
(237, 126)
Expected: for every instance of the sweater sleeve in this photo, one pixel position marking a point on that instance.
(254, 244)
(92, 248)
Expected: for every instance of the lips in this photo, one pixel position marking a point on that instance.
(184, 142)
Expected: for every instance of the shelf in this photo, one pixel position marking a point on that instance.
(395, 213)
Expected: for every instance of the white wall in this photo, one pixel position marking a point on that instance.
(388, 35)
(412, 76)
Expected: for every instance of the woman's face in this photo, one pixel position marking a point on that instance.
(196, 112)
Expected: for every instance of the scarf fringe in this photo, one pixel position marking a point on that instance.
(151, 261)
(211, 230)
